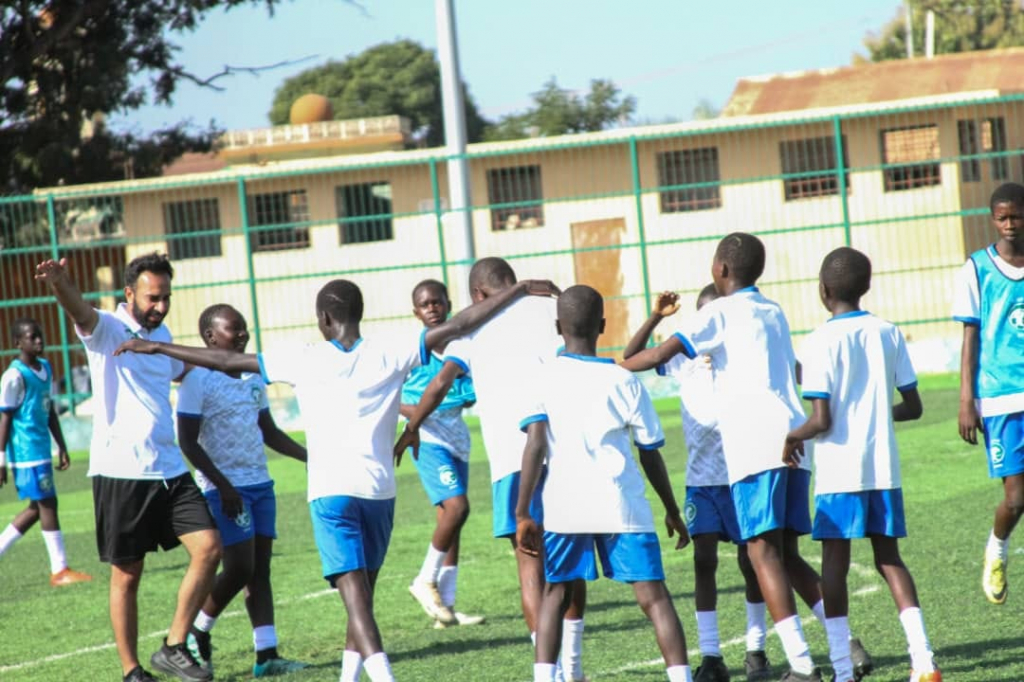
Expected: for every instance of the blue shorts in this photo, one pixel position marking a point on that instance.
(258, 517)
(848, 516)
(709, 509)
(625, 557)
(1004, 441)
(35, 483)
(505, 494)
(772, 500)
(351, 533)
(443, 475)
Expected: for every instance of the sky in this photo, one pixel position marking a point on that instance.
(668, 54)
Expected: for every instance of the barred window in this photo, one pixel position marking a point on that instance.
(992, 139)
(689, 167)
(913, 154)
(515, 197)
(280, 220)
(187, 217)
(364, 212)
(802, 158)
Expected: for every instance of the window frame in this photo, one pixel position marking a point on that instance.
(264, 238)
(363, 228)
(917, 174)
(688, 166)
(522, 199)
(814, 181)
(207, 209)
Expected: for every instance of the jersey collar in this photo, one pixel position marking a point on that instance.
(587, 358)
(852, 313)
(746, 290)
(337, 344)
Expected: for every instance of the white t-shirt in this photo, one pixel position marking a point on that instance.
(595, 412)
(12, 386)
(498, 355)
(747, 337)
(349, 401)
(229, 432)
(133, 424)
(855, 360)
(705, 465)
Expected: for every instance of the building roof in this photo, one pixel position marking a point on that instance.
(888, 81)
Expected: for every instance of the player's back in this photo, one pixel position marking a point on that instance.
(705, 464)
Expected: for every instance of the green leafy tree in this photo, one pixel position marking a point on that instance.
(401, 77)
(557, 111)
(959, 27)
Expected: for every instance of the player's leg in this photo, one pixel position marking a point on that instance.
(124, 611)
(60, 573)
(1004, 444)
(530, 569)
(554, 603)
(755, 661)
(20, 525)
(835, 566)
(568, 560)
(706, 527)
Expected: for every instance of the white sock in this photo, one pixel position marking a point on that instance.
(819, 611)
(917, 640)
(351, 666)
(757, 626)
(447, 582)
(55, 546)
(8, 537)
(572, 649)
(795, 645)
(204, 622)
(431, 565)
(264, 637)
(996, 548)
(707, 633)
(544, 672)
(378, 667)
(533, 639)
(838, 631)
(679, 673)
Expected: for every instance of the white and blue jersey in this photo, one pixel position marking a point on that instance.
(25, 395)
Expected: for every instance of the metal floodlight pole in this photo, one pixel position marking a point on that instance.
(908, 18)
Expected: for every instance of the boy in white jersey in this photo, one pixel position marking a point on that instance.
(350, 385)
(989, 301)
(223, 423)
(27, 419)
(585, 412)
(851, 365)
(443, 466)
(496, 357)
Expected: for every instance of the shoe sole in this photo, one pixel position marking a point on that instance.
(171, 670)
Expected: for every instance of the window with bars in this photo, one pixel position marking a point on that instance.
(689, 167)
(911, 156)
(515, 197)
(187, 217)
(279, 220)
(982, 136)
(804, 158)
(364, 212)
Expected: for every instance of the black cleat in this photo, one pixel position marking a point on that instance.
(757, 666)
(137, 674)
(813, 676)
(862, 663)
(712, 669)
(176, 660)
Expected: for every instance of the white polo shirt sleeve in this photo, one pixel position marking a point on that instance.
(906, 377)
(704, 334)
(966, 298)
(286, 364)
(191, 393)
(460, 351)
(643, 419)
(12, 390)
(818, 371)
(106, 336)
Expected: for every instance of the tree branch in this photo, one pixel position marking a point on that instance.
(229, 70)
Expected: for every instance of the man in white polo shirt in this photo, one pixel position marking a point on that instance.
(143, 494)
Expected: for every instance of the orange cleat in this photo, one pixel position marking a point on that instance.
(68, 577)
(933, 676)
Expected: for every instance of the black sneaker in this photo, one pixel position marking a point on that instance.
(137, 674)
(199, 646)
(861, 659)
(793, 676)
(712, 669)
(176, 660)
(757, 666)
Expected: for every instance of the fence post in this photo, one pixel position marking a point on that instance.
(837, 133)
(69, 386)
(243, 213)
(634, 163)
(435, 188)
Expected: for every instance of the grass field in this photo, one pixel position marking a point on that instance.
(48, 634)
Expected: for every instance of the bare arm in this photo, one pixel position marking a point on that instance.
(58, 437)
(969, 421)
(226, 361)
(911, 407)
(68, 296)
(277, 440)
(528, 535)
(665, 305)
(653, 357)
(654, 468)
(433, 395)
(188, 438)
(818, 423)
(406, 410)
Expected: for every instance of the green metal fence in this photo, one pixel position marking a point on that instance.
(632, 212)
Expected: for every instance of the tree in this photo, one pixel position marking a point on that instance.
(63, 61)
(401, 77)
(959, 27)
(557, 111)
(705, 110)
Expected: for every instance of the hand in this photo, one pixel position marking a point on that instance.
(674, 524)
(138, 346)
(666, 304)
(539, 287)
(3, 475)
(529, 540)
(792, 452)
(50, 271)
(230, 501)
(63, 461)
(969, 422)
(410, 438)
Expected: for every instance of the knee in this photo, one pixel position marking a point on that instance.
(705, 559)
(208, 550)
(125, 578)
(457, 509)
(1014, 500)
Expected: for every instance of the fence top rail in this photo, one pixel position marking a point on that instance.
(385, 159)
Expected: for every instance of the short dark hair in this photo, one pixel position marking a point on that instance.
(342, 300)
(22, 325)
(1009, 193)
(430, 284)
(492, 272)
(846, 273)
(157, 263)
(211, 313)
(580, 311)
(707, 294)
(744, 254)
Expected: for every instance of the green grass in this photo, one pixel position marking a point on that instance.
(949, 504)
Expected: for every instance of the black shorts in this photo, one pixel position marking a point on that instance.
(134, 517)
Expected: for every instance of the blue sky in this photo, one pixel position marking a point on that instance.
(669, 54)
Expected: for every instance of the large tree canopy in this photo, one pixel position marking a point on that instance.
(400, 78)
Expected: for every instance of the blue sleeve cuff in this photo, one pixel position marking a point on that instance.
(265, 410)
(661, 371)
(532, 419)
(651, 446)
(973, 321)
(907, 387)
(688, 350)
(816, 395)
(190, 415)
(424, 351)
(263, 369)
(461, 363)
(8, 409)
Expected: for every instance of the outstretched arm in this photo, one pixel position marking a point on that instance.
(653, 357)
(55, 274)
(818, 423)
(276, 439)
(665, 305)
(433, 395)
(226, 361)
(911, 407)
(654, 467)
(969, 421)
(528, 535)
